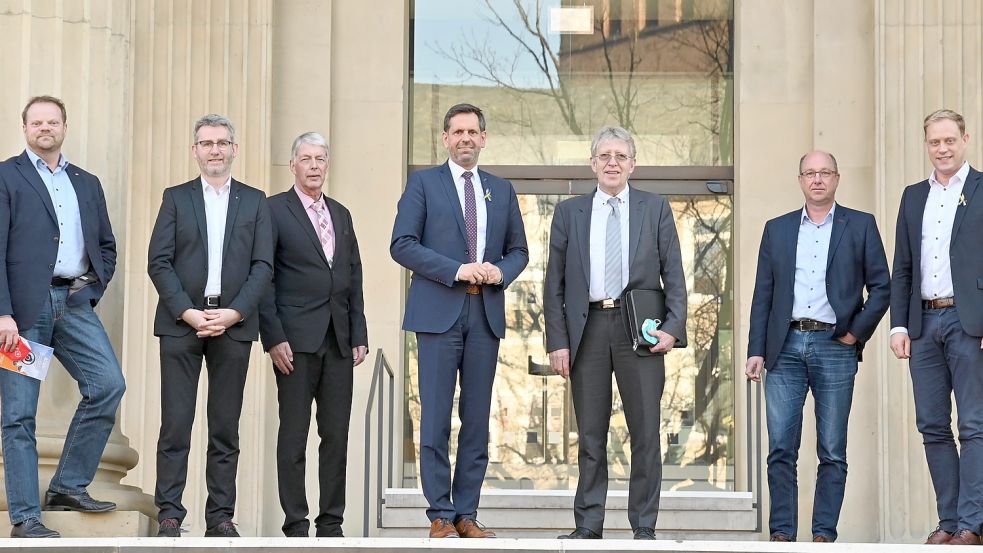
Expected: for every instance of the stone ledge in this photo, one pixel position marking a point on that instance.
(115, 524)
(417, 545)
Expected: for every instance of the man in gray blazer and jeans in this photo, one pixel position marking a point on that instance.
(613, 239)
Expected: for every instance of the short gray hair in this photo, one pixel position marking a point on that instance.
(312, 138)
(802, 159)
(214, 120)
(615, 133)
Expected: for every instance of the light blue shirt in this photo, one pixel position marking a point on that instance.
(809, 300)
(72, 260)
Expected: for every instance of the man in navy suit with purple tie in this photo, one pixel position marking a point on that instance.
(459, 230)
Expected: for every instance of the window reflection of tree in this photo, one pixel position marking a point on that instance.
(646, 73)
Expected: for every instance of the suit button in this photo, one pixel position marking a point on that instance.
(585, 315)
(55, 238)
(51, 265)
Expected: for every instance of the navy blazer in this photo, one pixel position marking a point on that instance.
(29, 238)
(965, 248)
(178, 257)
(429, 239)
(307, 296)
(856, 260)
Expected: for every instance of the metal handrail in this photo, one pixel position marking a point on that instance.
(754, 450)
(377, 389)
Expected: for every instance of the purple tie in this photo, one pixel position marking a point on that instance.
(470, 217)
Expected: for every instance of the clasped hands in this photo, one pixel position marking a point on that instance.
(211, 322)
(480, 273)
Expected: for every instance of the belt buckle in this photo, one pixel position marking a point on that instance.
(607, 303)
(211, 301)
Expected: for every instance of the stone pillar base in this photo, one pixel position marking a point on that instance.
(116, 524)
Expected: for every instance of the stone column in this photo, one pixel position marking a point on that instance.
(928, 56)
(79, 51)
(188, 59)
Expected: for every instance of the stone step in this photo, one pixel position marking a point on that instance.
(546, 513)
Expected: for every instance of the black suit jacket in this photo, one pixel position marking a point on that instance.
(855, 261)
(178, 257)
(29, 238)
(307, 295)
(965, 256)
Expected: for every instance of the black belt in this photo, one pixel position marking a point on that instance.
(61, 281)
(809, 325)
(213, 301)
(605, 304)
(939, 303)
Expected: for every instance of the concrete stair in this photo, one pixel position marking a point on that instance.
(717, 515)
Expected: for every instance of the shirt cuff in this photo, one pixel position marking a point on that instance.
(899, 330)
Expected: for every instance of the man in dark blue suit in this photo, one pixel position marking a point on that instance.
(809, 323)
(58, 254)
(459, 230)
(937, 322)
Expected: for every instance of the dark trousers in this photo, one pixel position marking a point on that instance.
(641, 380)
(469, 349)
(324, 377)
(946, 360)
(180, 366)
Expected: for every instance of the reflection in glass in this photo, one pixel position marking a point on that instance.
(660, 68)
(533, 442)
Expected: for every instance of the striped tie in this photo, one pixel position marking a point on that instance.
(612, 252)
(325, 231)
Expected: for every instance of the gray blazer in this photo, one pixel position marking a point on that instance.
(654, 262)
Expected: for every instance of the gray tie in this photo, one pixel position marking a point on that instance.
(612, 252)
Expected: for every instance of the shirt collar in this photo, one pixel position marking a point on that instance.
(829, 216)
(603, 197)
(221, 191)
(40, 163)
(961, 174)
(306, 200)
(457, 171)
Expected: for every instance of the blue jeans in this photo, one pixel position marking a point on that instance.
(808, 361)
(82, 346)
(947, 362)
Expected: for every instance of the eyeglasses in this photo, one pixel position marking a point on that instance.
(208, 144)
(825, 174)
(605, 158)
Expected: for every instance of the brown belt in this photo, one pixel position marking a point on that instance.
(473, 289)
(809, 325)
(939, 303)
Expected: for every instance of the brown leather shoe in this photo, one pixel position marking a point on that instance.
(821, 539)
(442, 528)
(470, 528)
(938, 537)
(779, 537)
(965, 537)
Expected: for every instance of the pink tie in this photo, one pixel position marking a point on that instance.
(325, 231)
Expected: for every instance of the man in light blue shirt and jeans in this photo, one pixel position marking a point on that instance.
(58, 254)
(809, 323)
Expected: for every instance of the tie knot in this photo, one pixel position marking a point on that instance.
(467, 176)
(318, 205)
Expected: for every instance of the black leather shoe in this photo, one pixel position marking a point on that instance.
(224, 529)
(580, 534)
(329, 532)
(83, 502)
(32, 528)
(169, 528)
(644, 534)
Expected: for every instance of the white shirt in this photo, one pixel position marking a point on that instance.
(600, 215)
(457, 173)
(937, 220)
(216, 210)
(809, 299)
